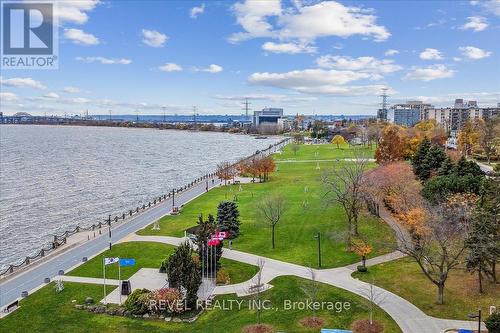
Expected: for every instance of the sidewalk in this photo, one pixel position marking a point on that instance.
(410, 318)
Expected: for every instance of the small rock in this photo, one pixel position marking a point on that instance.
(145, 316)
(73, 301)
(79, 306)
(177, 320)
(89, 300)
(167, 319)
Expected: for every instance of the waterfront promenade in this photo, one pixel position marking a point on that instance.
(33, 278)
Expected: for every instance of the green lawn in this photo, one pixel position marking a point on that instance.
(150, 255)
(324, 152)
(297, 182)
(46, 311)
(404, 278)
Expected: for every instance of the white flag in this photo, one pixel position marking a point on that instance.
(109, 261)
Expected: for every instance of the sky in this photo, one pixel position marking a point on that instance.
(308, 57)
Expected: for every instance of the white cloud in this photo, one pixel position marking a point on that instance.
(51, 95)
(74, 11)
(8, 96)
(291, 48)
(213, 68)
(153, 38)
(317, 81)
(78, 36)
(304, 23)
(105, 61)
(492, 6)
(362, 64)
(71, 90)
(476, 23)
(170, 67)
(431, 54)
(22, 82)
(267, 97)
(430, 73)
(474, 53)
(391, 52)
(195, 11)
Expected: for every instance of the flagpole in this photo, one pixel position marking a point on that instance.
(104, 275)
(119, 281)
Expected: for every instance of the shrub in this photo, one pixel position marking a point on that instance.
(258, 328)
(312, 322)
(363, 326)
(493, 323)
(169, 300)
(138, 302)
(362, 269)
(223, 276)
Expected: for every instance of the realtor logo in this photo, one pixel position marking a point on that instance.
(29, 35)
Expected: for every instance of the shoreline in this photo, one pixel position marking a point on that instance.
(67, 240)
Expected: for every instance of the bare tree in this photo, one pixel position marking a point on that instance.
(435, 240)
(225, 171)
(271, 209)
(295, 148)
(343, 185)
(256, 289)
(374, 296)
(311, 289)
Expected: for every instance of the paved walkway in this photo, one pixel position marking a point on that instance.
(410, 318)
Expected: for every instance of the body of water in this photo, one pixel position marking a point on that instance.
(53, 178)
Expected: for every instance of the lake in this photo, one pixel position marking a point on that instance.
(53, 178)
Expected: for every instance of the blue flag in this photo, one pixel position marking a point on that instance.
(127, 262)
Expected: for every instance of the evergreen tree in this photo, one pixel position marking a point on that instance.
(434, 158)
(183, 271)
(228, 218)
(465, 167)
(482, 247)
(419, 159)
(446, 167)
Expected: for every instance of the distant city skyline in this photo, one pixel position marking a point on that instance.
(307, 57)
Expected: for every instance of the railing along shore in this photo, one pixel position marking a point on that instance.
(61, 239)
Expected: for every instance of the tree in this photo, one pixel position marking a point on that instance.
(228, 218)
(374, 134)
(434, 238)
(295, 148)
(257, 288)
(493, 322)
(482, 247)
(469, 136)
(338, 140)
(266, 166)
(446, 167)
(419, 160)
(392, 185)
(319, 129)
(343, 185)
(465, 167)
(183, 271)
(490, 138)
(391, 145)
(362, 249)
(271, 209)
(225, 171)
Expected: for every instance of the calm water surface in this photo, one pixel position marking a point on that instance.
(54, 178)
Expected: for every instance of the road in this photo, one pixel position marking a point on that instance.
(32, 278)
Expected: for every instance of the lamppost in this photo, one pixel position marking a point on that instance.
(478, 316)
(173, 198)
(318, 237)
(109, 230)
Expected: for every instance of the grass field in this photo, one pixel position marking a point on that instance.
(324, 152)
(46, 311)
(297, 182)
(150, 255)
(404, 278)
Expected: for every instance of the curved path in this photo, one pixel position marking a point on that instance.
(409, 318)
